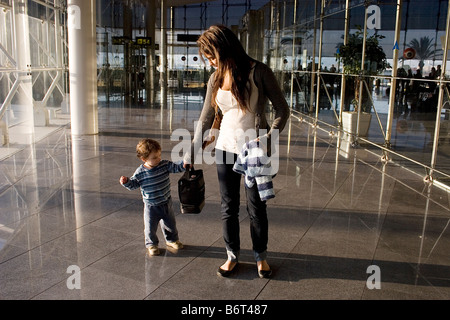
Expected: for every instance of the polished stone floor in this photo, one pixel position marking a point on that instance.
(343, 226)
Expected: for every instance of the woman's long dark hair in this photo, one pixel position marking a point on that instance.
(222, 44)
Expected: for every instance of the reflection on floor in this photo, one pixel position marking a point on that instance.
(343, 224)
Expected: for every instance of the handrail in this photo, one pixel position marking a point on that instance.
(383, 148)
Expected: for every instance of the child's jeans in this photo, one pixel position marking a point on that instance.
(153, 215)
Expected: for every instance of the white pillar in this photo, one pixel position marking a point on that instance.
(83, 66)
(23, 105)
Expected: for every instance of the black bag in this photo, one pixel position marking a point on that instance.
(191, 190)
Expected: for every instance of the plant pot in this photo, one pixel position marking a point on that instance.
(350, 119)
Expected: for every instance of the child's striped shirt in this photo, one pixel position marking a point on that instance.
(154, 182)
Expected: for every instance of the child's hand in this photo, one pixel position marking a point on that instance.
(123, 180)
(187, 166)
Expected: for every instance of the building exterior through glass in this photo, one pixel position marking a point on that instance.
(145, 53)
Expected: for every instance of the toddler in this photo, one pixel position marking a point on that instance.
(152, 177)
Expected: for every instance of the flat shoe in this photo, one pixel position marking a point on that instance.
(175, 245)
(153, 250)
(264, 274)
(226, 273)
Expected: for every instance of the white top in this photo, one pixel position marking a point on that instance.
(237, 127)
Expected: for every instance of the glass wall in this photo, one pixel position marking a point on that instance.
(403, 54)
(315, 48)
(33, 84)
(33, 89)
(119, 53)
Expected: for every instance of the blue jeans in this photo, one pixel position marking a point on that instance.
(153, 215)
(229, 184)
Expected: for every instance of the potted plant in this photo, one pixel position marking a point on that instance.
(375, 62)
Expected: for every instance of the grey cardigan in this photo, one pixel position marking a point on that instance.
(268, 89)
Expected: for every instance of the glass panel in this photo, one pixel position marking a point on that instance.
(329, 80)
(32, 73)
(416, 95)
(302, 49)
(416, 99)
(443, 151)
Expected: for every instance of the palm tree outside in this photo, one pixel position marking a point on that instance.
(424, 48)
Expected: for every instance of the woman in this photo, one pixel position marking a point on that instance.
(239, 88)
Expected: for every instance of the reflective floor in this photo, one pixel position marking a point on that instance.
(343, 224)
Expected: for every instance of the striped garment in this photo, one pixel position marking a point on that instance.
(154, 182)
(255, 165)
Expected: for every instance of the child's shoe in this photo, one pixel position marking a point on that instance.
(176, 245)
(153, 250)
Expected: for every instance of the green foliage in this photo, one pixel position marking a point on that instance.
(350, 55)
(375, 62)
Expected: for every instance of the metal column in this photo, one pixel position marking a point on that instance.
(83, 66)
(151, 67)
(128, 34)
(319, 68)
(441, 96)
(343, 80)
(163, 46)
(394, 75)
(313, 62)
(361, 79)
